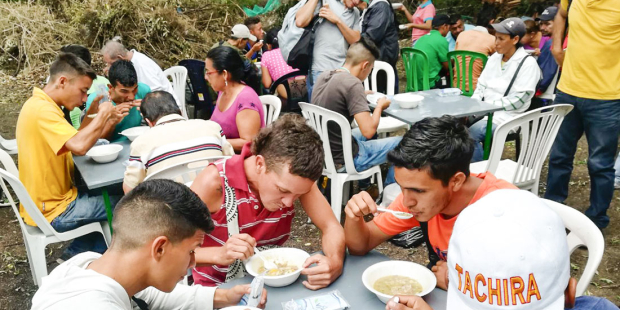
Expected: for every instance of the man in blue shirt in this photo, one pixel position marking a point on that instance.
(125, 93)
(457, 26)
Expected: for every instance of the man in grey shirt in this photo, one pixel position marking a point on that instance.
(342, 91)
(339, 28)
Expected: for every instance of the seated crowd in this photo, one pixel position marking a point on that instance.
(244, 198)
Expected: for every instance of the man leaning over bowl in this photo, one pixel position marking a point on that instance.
(432, 168)
(126, 94)
(251, 198)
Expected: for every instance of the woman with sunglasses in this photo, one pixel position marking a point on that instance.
(238, 109)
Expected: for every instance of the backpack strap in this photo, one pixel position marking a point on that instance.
(515, 76)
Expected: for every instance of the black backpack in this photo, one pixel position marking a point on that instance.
(300, 56)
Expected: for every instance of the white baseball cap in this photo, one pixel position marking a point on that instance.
(241, 31)
(508, 251)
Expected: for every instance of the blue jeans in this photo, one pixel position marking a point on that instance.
(600, 120)
(85, 209)
(478, 132)
(593, 303)
(310, 84)
(374, 152)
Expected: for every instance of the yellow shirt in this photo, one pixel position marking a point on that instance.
(591, 67)
(45, 165)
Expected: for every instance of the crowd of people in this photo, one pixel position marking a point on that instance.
(245, 200)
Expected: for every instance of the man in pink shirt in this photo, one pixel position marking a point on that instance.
(420, 20)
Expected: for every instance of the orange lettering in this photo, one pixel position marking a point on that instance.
(468, 285)
(506, 288)
(459, 269)
(532, 288)
(517, 291)
(480, 278)
(495, 292)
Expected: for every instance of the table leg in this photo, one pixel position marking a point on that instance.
(487, 138)
(108, 207)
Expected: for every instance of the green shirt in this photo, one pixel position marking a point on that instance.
(133, 119)
(436, 48)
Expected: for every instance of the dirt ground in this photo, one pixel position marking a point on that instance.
(17, 288)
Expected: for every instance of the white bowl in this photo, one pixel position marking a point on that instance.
(104, 153)
(408, 101)
(292, 255)
(134, 132)
(240, 308)
(397, 6)
(425, 277)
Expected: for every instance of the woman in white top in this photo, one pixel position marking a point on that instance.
(508, 80)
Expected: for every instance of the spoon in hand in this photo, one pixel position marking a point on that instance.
(398, 214)
(267, 264)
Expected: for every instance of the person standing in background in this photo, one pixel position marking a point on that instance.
(421, 20)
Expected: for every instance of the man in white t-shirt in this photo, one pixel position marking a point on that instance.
(157, 226)
(149, 72)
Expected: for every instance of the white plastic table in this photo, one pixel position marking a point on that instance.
(434, 105)
(100, 176)
(349, 284)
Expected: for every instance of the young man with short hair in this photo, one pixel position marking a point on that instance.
(435, 46)
(509, 251)
(432, 169)
(546, 62)
(342, 91)
(157, 227)
(457, 26)
(239, 38)
(126, 94)
(253, 48)
(171, 140)
(48, 142)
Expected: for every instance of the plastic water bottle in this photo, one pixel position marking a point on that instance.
(103, 90)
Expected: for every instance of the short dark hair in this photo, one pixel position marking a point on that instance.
(79, 51)
(251, 21)
(363, 50)
(123, 72)
(158, 104)
(159, 208)
(290, 140)
(441, 145)
(68, 63)
(272, 37)
(454, 18)
(370, 45)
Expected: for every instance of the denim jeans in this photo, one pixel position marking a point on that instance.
(374, 152)
(478, 132)
(593, 303)
(310, 84)
(85, 209)
(600, 120)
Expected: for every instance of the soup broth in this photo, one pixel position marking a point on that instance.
(397, 285)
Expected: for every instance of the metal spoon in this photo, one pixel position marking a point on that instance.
(398, 214)
(267, 264)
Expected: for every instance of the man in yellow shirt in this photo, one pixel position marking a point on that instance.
(590, 82)
(46, 141)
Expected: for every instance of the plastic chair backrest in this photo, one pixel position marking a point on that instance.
(538, 129)
(292, 102)
(201, 97)
(461, 64)
(178, 74)
(184, 172)
(318, 118)
(9, 166)
(412, 59)
(391, 77)
(271, 107)
(583, 232)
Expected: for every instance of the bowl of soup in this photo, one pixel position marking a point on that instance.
(289, 263)
(134, 132)
(390, 278)
(104, 153)
(408, 100)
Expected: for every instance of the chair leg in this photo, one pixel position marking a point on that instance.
(36, 256)
(336, 197)
(107, 235)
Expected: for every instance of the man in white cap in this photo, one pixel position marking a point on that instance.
(509, 251)
(239, 37)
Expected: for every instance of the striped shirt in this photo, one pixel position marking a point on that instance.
(268, 228)
(172, 141)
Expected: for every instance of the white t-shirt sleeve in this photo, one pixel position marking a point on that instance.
(182, 297)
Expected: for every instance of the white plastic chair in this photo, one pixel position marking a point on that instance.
(184, 172)
(271, 107)
(583, 232)
(37, 238)
(9, 146)
(390, 193)
(386, 124)
(538, 129)
(178, 74)
(318, 119)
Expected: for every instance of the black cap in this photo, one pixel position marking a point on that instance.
(441, 19)
(548, 14)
